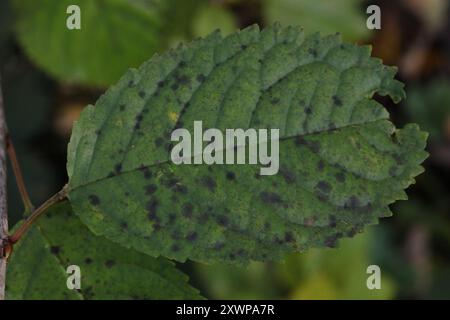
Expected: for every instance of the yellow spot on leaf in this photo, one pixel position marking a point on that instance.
(173, 116)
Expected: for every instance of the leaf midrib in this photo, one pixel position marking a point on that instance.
(73, 188)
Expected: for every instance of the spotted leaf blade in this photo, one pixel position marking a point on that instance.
(37, 269)
(342, 162)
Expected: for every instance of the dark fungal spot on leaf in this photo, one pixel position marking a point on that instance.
(324, 186)
(322, 197)
(94, 200)
(110, 263)
(146, 171)
(118, 168)
(288, 175)
(309, 221)
(175, 235)
(139, 117)
(340, 177)
(161, 84)
(223, 220)
(300, 141)
(169, 181)
(156, 226)
(204, 217)
(277, 240)
(352, 202)
(180, 188)
(183, 80)
(274, 100)
(332, 221)
(174, 86)
(314, 146)
(209, 183)
(88, 260)
(172, 217)
(312, 52)
(151, 208)
(289, 237)
(55, 250)
(159, 142)
(320, 165)
(331, 241)
(337, 101)
(192, 236)
(352, 232)
(123, 225)
(398, 159)
(175, 248)
(393, 171)
(219, 245)
(142, 94)
(187, 210)
(230, 175)
(87, 292)
(98, 132)
(270, 197)
(150, 189)
(308, 110)
(200, 78)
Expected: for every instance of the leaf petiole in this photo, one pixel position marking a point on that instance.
(26, 225)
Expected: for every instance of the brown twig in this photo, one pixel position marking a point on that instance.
(11, 151)
(3, 204)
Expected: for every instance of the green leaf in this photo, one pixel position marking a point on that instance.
(37, 269)
(429, 106)
(328, 16)
(341, 161)
(114, 35)
(212, 17)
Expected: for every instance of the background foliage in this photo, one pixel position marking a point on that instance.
(412, 248)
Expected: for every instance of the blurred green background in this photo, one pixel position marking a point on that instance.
(50, 73)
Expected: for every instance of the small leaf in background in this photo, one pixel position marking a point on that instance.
(318, 274)
(342, 162)
(429, 106)
(222, 281)
(212, 17)
(114, 35)
(37, 269)
(328, 16)
(342, 270)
